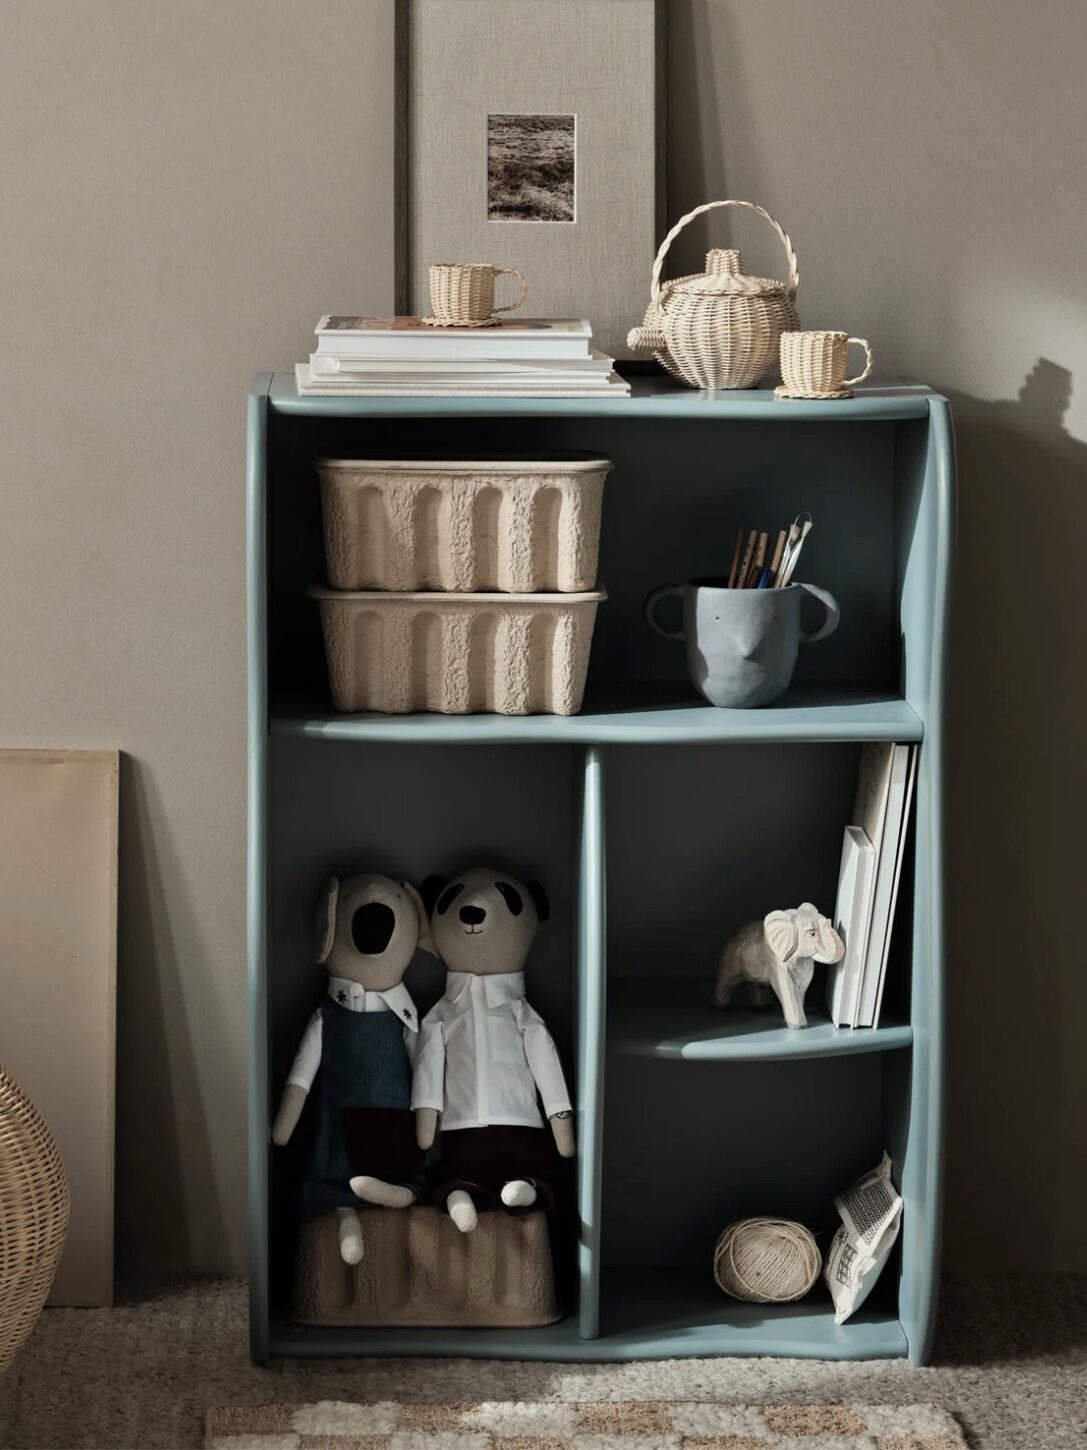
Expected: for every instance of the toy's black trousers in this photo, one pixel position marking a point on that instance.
(481, 1160)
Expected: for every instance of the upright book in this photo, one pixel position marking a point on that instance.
(880, 816)
(889, 876)
(851, 916)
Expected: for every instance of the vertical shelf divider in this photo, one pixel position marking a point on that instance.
(257, 867)
(591, 1003)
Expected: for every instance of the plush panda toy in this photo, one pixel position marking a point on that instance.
(359, 1047)
(485, 1061)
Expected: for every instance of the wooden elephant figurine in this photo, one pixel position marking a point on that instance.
(778, 955)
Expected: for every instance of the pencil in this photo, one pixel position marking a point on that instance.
(779, 549)
(742, 575)
(735, 558)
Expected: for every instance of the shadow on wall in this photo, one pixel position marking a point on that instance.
(164, 1162)
(1018, 844)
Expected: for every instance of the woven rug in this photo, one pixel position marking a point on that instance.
(598, 1425)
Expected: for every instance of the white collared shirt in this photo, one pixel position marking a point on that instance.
(356, 999)
(484, 1054)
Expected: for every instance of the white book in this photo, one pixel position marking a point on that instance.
(406, 337)
(850, 922)
(616, 387)
(596, 364)
(887, 871)
(869, 814)
(894, 889)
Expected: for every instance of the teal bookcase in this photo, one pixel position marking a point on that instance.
(656, 823)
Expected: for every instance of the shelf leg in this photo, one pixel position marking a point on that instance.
(591, 994)
(256, 918)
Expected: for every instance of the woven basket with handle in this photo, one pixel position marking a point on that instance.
(719, 328)
(33, 1215)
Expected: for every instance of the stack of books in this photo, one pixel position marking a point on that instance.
(872, 855)
(390, 357)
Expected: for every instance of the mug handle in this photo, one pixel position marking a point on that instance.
(650, 605)
(834, 614)
(513, 272)
(861, 342)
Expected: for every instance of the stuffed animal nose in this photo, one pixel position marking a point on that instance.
(472, 915)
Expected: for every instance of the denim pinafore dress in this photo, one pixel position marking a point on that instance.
(365, 1090)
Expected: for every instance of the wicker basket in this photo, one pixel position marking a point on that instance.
(719, 328)
(33, 1216)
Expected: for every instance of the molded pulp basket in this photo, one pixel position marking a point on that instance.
(511, 654)
(513, 526)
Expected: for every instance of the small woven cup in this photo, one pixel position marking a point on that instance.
(813, 364)
(462, 293)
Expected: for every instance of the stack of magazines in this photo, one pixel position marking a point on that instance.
(389, 357)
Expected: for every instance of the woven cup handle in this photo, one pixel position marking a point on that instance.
(658, 265)
(861, 342)
(524, 288)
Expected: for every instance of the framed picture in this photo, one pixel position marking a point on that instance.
(530, 135)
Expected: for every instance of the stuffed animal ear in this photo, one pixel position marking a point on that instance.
(539, 900)
(325, 923)
(781, 934)
(426, 940)
(430, 891)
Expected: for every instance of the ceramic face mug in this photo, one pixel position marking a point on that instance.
(813, 364)
(741, 643)
(462, 293)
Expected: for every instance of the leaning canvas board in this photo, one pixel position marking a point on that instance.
(530, 135)
(58, 969)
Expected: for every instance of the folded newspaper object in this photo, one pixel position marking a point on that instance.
(871, 1214)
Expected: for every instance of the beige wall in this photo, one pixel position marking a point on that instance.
(185, 186)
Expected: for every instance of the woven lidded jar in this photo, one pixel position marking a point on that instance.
(33, 1215)
(719, 328)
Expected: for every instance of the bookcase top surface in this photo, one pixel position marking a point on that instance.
(651, 397)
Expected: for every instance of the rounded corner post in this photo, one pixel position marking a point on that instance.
(591, 1000)
(922, 1169)
(256, 871)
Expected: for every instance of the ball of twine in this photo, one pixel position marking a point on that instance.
(766, 1260)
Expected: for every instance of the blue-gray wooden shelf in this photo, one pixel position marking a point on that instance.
(657, 822)
(683, 1028)
(652, 1314)
(627, 715)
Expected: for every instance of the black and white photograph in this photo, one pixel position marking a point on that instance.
(531, 166)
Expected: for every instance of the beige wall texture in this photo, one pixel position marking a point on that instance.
(184, 188)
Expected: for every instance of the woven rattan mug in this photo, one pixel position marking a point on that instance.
(813, 364)
(462, 293)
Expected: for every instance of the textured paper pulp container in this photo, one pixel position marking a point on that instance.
(514, 526)
(459, 654)
(419, 1270)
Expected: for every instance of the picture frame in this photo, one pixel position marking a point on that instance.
(510, 150)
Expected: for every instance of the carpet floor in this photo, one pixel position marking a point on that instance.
(1010, 1364)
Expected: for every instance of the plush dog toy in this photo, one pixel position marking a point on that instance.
(485, 1058)
(362, 1039)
